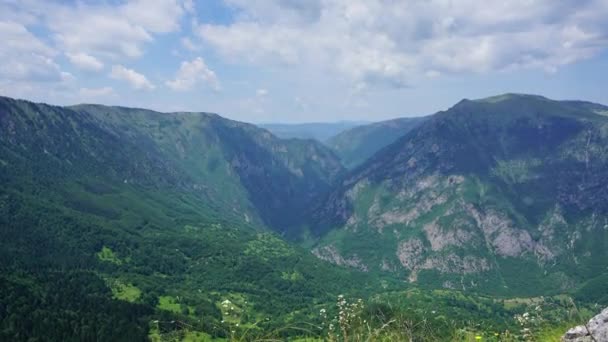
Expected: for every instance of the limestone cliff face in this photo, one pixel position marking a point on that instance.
(506, 194)
(596, 330)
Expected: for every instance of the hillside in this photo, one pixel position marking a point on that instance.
(236, 166)
(503, 195)
(113, 218)
(354, 146)
(126, 224)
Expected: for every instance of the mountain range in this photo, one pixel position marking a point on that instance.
(166, 217)
(355, 145)
(320, 131)
(171, 213)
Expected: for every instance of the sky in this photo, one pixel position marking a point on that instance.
(294, 61)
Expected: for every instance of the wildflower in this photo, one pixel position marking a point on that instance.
(478, 338)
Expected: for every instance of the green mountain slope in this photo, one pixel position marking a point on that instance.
(504, 195)
(117, 222)
(354, 146)
(235, 165)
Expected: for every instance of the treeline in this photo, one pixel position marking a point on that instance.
(66, 306)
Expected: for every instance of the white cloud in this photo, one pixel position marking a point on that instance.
(26, 58)
(191, 73)
(137, 80)
(85, 62)
(159, 16)
(106, 30)
(398, 42)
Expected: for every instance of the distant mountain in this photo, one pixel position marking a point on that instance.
(505, 195)
(112, 218)
(320, 131)
(357, 144)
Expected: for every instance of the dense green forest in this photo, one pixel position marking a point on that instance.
(122, 224)
(100, 235)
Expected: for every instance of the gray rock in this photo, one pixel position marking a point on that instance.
(596, 330)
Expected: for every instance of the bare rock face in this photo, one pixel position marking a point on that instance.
(331, 254)
(595, 330)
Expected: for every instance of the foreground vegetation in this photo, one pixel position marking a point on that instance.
(405, 316)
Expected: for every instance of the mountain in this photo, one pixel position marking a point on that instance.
(124, 224)
(116, 223)
(320, 131)
(504, 195)
(357, 144)
(233, 165)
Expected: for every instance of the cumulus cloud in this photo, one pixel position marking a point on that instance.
(84, 61)
(159, 16)
(135, 79)
(106, 30)
(191, 73)
(25, 58)
(395, 42)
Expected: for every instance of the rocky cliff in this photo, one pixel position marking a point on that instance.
(595, 330)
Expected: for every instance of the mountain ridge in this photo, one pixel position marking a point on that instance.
(158, 217)
(467, 187)
(144, 217)
(356, 145)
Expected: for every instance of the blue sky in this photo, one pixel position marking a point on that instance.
(301, 60)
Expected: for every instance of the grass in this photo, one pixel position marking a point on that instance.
(169, 303)
(195, 336)
(233, 308)
(513, 303)
(155, 335)
(362, 325)
(554, 333)
(126, 292)
(267, 246)
(106, 254)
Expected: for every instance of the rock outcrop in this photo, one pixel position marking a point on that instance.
(595, 330)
